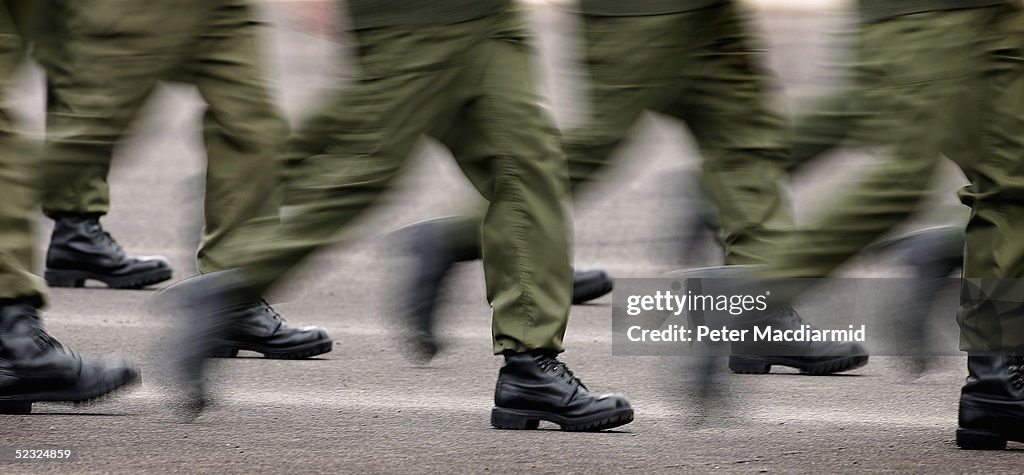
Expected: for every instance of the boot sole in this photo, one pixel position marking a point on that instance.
(77, 278)
(763, 364)
(22, 404)
(230, 349)
(519, 420)
(980, 439)
(591, 291)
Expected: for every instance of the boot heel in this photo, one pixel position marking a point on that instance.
(506, 419)
(56, 278)
(748, 365)
(16, 407)
(974, 439)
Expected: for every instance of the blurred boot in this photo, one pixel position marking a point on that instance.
(932, 254)
(208, 308)
(758, 357)
(35, 367)
(810, 357)
(80, 249)
(261, 329)
(992, 402)
(436, 254)
(535, 386)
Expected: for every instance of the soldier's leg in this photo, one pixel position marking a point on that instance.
(727, 106)
(244, 135)
(627, 76)
(243, 129)
(740, 135)
(631, 65)
(345, 156)
(629, 61)
(110, 56)
(912, 70)
(33, 365)
(87, 190)
(526, 240)
(991, 314)
(523, 176)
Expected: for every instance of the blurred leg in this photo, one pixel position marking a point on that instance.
(508, 147)
(631, 64)
(244, 131)
(110, 55)
(727, 107)
(345, 156)
(17, 179)
(244, 134)
(911, 70)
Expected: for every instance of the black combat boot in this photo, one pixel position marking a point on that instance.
(536, 386)
(35, 367)
(261, 329)
(429, 243)
(992, 402)
(810, 357)
(80, 249)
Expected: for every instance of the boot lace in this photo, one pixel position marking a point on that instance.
(97, 229)
(270, 310)
(561, 370)
(278, 320)
(1016, 369)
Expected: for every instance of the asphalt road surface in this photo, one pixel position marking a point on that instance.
(364, 408)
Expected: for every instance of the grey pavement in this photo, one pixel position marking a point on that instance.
(363, 408)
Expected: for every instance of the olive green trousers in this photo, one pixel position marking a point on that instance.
(947, 82)
(104, 60)
(18, 165)
(471, 85)
(702, 68)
